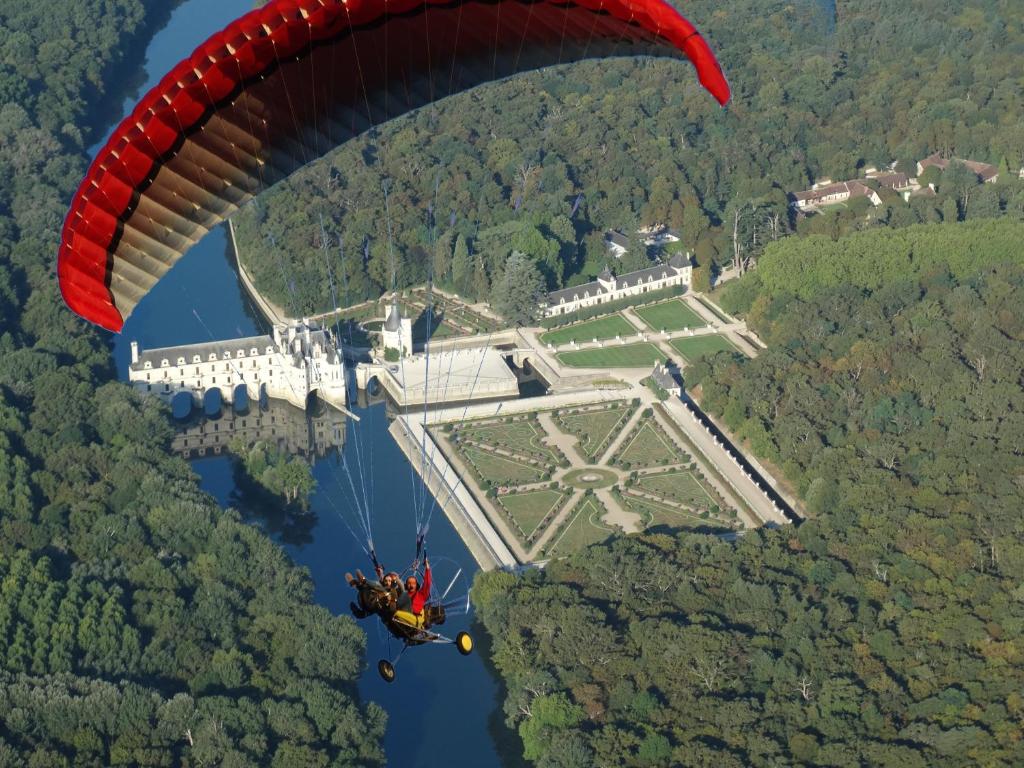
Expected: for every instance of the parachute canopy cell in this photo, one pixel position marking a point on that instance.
(290, 81)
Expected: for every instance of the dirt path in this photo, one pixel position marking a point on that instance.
(623, 433)
(556, 438)
(628, 521)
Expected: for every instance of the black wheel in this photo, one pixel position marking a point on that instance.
(387, 670)
(464, 642)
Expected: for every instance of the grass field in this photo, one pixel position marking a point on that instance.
(649, 447)
(671, 315)
(593, 428)
(586, 527)
(522, 436)
(697, 346)
(627, 356)
(679, 486)
(499, 470)
(528, 509)
(654, 514)
(601, 328)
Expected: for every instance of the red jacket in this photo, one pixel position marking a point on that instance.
(423, 593)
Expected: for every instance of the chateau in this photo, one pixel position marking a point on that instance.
(296, 361)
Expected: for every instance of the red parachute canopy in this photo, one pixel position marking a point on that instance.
(290, 81)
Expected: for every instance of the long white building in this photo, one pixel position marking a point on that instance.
(296, 361)
(676, 271)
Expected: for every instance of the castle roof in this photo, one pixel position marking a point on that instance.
(394, 319)
(223, 350)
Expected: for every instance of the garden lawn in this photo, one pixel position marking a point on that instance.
(627, 356)
(671, 315)
(680, 486)
(650, 447)
(530, 508)
(585, 527)
(653, 513)
(593, 428)
(692, 347)
(601, 328)
(499, 470)
(521, 436)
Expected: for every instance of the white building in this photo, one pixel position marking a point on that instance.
(826, 192)
(295, 362)
(676, 271)
(831, 194)
(668, 378)
(397, 331)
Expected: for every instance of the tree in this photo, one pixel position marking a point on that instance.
(518, 295)
(462, 266)
(635, 256)
(443, 259)
(985, 204)
(481, 282)
(702, 278)
(950, 213)
(960, 181)
(743, 234)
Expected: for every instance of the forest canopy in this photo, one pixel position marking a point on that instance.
(545, 163)
(140, 623)
(885, 630)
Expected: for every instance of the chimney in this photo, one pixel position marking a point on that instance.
(135, 352)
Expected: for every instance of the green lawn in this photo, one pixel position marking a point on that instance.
(499, 470)
(586, 527)
(521, 436)
(671, 315)
(627, 356)
(650, 447)
(530, 508)
(653, 513)
(697, 346)
(600, 329)
(593, 428)
(680, 486)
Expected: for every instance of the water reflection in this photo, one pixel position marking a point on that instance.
(312, 433)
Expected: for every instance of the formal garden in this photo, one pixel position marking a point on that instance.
(532, 511)
(559, 480)
(584, 525)
(522, 437)
(594, 426)
(590, 330)
(671, 315)
(694, 347)
(648, 445)
(638, 355)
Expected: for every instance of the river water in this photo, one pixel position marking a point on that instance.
(443, 709)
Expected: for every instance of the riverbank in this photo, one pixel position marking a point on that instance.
(273, 314)
(452, 495)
